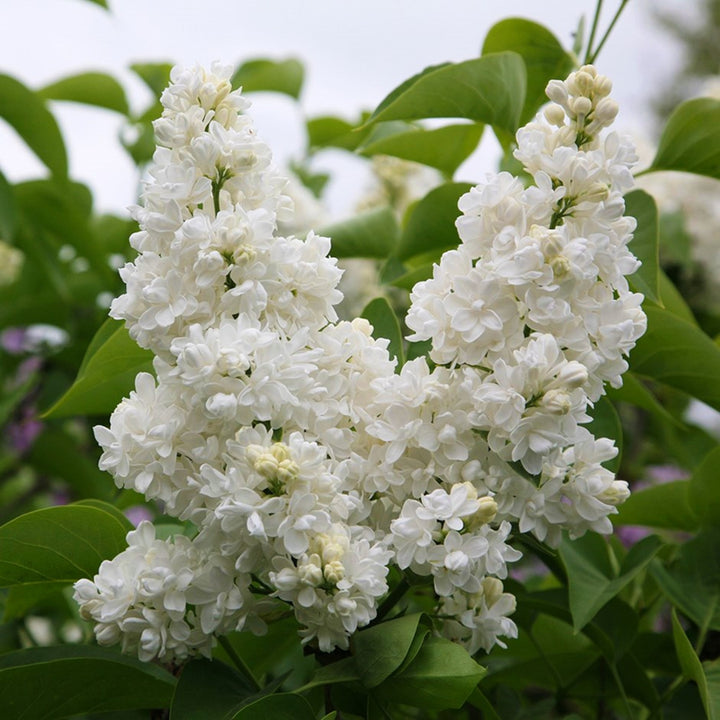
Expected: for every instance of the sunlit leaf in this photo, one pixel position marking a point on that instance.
(430, 225)
(89, 88)
(155, 75)
(690, 140)
(704, 490)
(25, 111)
(372, 234)
(283, 76)
(443, 148)
(545, 58)
(490, 89)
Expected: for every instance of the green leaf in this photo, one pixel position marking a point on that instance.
(444, 148)
(679, 354)
(692, 582)
(606, 423)
(692, 667)
(342, 671)
(8, 214)
(381, 316)
(283, 76)
(663, 506)
(101, 3)
(673, 301)
(58, 544)
(372, 234)
(408, 280)
(64, 212)
(328, 131)
(381, 649)
(490, 89)
(57, 682)
(89, 88)
(644, 244)
(704, 490)
(25, 111)
(545, 59)
(592, 581)
(209, 689)
(634, 392)
(106, 376)
(430, 227)
(155, 75)
(22, 599)
(108, 508)
(690, 140)
(442, 675)
(282, 706)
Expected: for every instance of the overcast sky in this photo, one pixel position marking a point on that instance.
(354, 53)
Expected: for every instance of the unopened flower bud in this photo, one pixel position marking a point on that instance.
(590, 70)
(287, 470)
(616, 494)
(487, 511)
(555, 115)
(602, 86)
(581, 106)
(606, 111)
(557, 91)
(492, 589)
(584, 82)
(597, 192)
(334, 572)
(573, 375)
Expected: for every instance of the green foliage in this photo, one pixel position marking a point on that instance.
(284, 76)
(691, 139)
(90, 88)
(489, 89)
(26, 112)
(106, 375)
(59, 544)
(381, 316)
(593, 579)
(544, 57)
(678, 354)
(444, 148)
(56, 682)
(372, 234)
(644, 244)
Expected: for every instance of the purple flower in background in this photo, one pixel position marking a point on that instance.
(137, 513)
(12, 340)
(22, 433)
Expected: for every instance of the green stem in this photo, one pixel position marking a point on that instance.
(239, 663)
(593, 30)
(594, 55)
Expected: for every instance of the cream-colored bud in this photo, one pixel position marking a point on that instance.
(560, 266)
(590, 70)
(557, 91)
(556, 401)
(573, 375)
(487, 511)
(566, 136)
(471, 491)
(584, 82)
(616, 494)
(581, 106)
(597, 192)
(606, 111)
(555, 115)
(602, 86)
(280, 451)
(492, 590)
(334, 572)
(287, 470)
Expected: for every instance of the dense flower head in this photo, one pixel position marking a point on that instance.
(307, 459)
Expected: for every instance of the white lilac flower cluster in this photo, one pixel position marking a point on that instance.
(307, 463)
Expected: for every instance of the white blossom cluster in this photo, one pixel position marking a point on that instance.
(307, 463)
